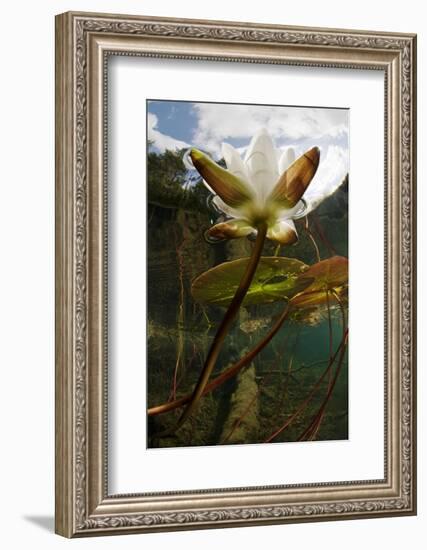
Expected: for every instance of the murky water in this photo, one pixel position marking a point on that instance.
(283, 384)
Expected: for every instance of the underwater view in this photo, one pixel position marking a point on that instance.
(247, 274)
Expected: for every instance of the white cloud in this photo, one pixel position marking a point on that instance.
(332, 169)
(219, 122)
(162, 141)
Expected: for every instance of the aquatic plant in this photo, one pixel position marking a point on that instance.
(276, 279)
(229, 373)
(260, 196)
(259, 189)
(260, 201)
(327, 276)
(339, 352)
(312, 429)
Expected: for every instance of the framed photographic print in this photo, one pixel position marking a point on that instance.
(235, 274)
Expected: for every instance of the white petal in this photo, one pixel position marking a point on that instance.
(220, 204)
(234, 161)
(261, 163)
(286, 159)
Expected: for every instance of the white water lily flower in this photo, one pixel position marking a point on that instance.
(261, 188)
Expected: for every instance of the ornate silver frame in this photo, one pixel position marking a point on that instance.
(83, 42)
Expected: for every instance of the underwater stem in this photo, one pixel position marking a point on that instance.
(180, 321)
(331, 335)
(313, 240)
(226, 323)
(314, 425)
(312, 429)
(228, 373)
(288, 375)
(308, 398)
(321, 233)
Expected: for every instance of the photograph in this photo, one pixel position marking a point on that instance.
(247, 273)
(235, 272)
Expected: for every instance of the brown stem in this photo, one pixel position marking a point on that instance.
(288, 376)
(225, 325)
(180, 351)
(313, 428)
(322, 235)
(228, 373)
(308, 398)
(313, 240)
(330, 333)
(303, 366)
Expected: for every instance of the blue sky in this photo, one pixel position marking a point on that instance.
(183, 124)
(175, 118)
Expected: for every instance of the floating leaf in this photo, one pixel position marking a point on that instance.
(319, 298)
(276, 278)
(327, 275)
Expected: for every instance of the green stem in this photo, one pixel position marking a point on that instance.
(226, 323)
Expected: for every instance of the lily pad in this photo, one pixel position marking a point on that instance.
(319, 298)
(276, 279)
(330, 274)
